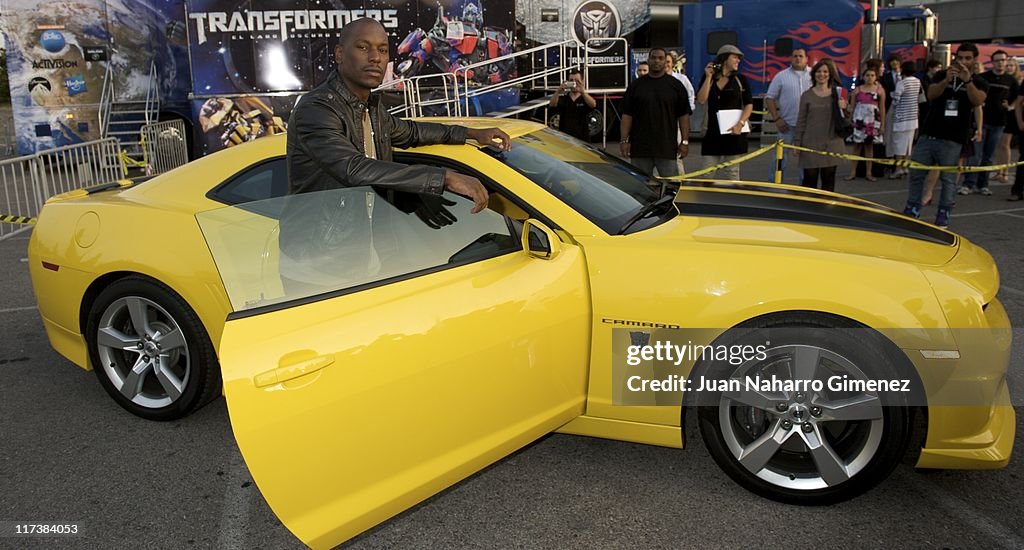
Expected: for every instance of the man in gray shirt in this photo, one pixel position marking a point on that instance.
(783, 98)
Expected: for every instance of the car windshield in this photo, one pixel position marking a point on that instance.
(608, 191)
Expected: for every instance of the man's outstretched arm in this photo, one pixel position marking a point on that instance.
(409, 133)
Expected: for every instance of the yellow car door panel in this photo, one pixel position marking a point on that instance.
(352, 406)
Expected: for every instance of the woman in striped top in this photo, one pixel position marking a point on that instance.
(905, 115)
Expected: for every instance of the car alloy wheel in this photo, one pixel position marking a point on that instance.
(772, 434)
(807, 446)
(150, 351)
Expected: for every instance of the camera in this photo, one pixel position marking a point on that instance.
(570, 85)
(717, 67)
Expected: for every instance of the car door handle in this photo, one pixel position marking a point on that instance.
(292, 370)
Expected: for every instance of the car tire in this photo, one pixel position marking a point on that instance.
(801, 454)
(150, 350)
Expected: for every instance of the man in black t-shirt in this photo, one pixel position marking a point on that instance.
(952, 96)
(573, 104)
(654, 107)
(1002, 91)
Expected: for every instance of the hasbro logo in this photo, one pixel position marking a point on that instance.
(75, 84)
(52, 41)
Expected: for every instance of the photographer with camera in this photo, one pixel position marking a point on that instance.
(952, 95)
(573, 104)
(726, 92)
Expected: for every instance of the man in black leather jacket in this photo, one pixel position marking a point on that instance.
(328, 148)
(326, 142)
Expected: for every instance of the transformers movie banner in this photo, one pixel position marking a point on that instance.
(268, 46)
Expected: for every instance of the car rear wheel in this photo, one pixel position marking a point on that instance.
(150, 351)
(807, 446)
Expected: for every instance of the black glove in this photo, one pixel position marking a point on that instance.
(432, 210)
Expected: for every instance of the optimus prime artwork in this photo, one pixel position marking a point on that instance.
(457, 39)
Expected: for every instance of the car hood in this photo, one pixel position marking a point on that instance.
(795, 217)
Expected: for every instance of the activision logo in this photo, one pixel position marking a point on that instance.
(284, 21)
(55, 64)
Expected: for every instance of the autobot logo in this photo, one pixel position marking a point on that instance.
(283, 24)
(594, 20)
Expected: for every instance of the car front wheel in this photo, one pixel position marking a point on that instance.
(812, 445)
(150, 350)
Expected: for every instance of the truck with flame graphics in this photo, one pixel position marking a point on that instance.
(767, 31)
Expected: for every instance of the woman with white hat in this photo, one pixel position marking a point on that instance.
(727, 95)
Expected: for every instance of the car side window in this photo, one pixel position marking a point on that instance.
(266, 180)
(326, 243)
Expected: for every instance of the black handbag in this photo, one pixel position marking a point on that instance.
(842, 125)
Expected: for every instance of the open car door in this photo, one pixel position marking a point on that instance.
(371, 361)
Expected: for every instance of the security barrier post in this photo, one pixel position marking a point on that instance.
(778, 161)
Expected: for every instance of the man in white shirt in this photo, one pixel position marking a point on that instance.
(783, 98)
(679, 72)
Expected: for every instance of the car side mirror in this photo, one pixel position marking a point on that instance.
(539, 241)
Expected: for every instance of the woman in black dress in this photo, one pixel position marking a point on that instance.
(724, 88)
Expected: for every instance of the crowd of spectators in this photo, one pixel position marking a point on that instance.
(935, 117)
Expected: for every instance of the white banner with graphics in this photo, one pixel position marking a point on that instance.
(548, 21)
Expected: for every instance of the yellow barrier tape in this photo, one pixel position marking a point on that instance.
(126, 160)
(19, 220)
(906, 163)
(710, 169)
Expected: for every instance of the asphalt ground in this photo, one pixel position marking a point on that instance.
(68, 454)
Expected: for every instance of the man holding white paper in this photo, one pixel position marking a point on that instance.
(726, 92)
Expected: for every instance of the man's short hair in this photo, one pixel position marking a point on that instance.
(997, 52)
(658, 49)
(893, 57)
(574, 70)
(968, 47)
(798, 49)
(932, 63)
(908, 68)
(348, 30)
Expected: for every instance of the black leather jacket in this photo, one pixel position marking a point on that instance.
(325, 143)
(325, 151)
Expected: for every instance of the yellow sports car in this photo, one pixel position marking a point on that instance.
(373, 359)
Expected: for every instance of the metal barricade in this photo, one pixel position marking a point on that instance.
(20, 193)
(165, 145)
(81, 165)
(470, 89)
(441, 98)
(26, 182)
